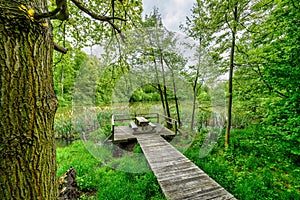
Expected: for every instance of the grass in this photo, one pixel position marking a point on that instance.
(254, 167)
(101, 182)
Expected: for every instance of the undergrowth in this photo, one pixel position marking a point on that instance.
(104, 182)
(256, 166)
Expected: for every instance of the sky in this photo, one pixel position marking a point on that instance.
(173, 12)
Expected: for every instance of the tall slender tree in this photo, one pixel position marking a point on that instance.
(199, 27)
(227, 22)
(159, 42)
(175, 63)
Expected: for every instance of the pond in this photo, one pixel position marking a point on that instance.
(61, 142)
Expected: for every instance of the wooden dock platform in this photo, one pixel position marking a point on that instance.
(178, 177)
(126, 134)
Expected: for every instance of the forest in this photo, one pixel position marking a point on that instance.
(230, 78)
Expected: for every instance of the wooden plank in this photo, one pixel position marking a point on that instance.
(142, 119)
(178, 177)
(125, 133)
(133, 126)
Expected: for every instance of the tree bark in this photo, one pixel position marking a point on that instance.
(159, 87)
(196, 87)
(176, 99)
(169, 125)
(229, 113)
(27, 103)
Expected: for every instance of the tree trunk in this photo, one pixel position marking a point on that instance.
(229, 98)
(229, 113)
(196, 87)
(169, 125)
(161, 98)
(27, 104)
(194, 108)
(62, 82)
(176, 99)
(159, 87)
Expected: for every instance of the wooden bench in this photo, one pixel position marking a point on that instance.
(141, 121)
(133, 126)
(153, 126)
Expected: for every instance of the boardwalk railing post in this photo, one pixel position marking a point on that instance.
(175, 127)
(112, 127)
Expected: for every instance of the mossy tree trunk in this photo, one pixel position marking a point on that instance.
(27, 103)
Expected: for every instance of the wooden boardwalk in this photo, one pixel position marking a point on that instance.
(178, 177)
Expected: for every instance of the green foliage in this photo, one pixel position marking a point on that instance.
(250, 98)
(63, 128)
(137, 149)
(283, 121)
(276, 45)
(65, 71)
(104, 118)
(63, 123)
(120, 185)
(266, 60)
(85, 164)
(254, 167)
(109, 77)
(145, 93)
(85, 30)
(86, 82)
(110, 184)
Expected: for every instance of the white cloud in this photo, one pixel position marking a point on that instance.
(173, 12)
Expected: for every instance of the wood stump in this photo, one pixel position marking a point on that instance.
(68, 187)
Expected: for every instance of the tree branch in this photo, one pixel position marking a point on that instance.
(247, 29)
(227, 22)
(295, 5)
(60, 59)
(241, 51)
(48, 14)
(60, 12)
(96, 16)
(60, 48)
(268, 85)
(100, 17)
(251, 64)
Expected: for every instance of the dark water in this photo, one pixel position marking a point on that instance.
(62, 142)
